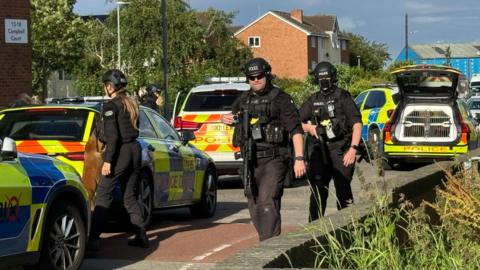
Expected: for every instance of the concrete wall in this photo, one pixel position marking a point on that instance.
(15, 58)
(294, 249)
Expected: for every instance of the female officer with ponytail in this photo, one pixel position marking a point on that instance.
(121, 159)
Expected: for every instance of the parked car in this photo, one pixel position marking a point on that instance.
(200, 112)
(376, 106)
(44, 211)
(430, 122)
(174, 173)
(473, 105)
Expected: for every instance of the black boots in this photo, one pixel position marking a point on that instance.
(140, 240)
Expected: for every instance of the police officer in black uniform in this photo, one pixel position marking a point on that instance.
(275, 123)
(121, 159)
(333, 123)
(150, 99)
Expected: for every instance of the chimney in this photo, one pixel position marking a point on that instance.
(297, 15)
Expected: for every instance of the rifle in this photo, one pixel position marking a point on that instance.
(321, 141)
(248, 148)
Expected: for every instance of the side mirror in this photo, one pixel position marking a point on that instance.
(186, 136)
(9, 149)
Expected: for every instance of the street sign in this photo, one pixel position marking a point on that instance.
(16, 31)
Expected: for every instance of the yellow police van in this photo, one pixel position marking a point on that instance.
(200, 112)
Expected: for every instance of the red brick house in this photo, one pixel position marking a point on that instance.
(15, 50)
(293, 43)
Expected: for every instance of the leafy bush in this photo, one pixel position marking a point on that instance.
(374, 243)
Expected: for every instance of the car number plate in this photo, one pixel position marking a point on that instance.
(218, 127)
(412, 148)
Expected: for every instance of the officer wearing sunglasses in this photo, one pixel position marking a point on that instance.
(274, 126)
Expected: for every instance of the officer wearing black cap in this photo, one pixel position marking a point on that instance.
(150, 98)
(274, 125)
(333, 123)
(121, 158)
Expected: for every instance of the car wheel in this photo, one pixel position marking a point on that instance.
(208, 202)
(64, 238)
(373, 139)
(145, 198)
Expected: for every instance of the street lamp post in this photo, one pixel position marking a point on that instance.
(119, 56)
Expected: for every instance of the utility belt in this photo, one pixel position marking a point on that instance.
(273, 152)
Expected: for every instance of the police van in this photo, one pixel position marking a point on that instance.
(200, 112)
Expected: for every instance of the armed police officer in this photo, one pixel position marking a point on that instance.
(266, 121)
(333, 123)
(121, 159)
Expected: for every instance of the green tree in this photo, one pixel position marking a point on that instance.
(372, 55)
(199, 45)
(56, 40)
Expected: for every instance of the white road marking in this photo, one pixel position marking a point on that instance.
(186, 266)
(222, 247)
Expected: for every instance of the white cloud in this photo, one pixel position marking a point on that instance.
(348, 23)
(419, 7)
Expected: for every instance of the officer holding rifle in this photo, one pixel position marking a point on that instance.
(266, 124)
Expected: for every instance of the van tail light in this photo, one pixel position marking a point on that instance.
(179, 124)
(387, 129)
(77, 156)
(465, 130)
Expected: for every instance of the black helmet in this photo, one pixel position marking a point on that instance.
(256, 66)
(116, 77)
(325, 75)
(325, 70)
(153, 88)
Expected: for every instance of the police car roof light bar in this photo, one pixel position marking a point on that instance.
(225, 79)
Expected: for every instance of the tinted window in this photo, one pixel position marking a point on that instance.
(166, 131)
(218, 100)
(44, 124)
(146, 128)
(474, 105)
(375, 99)
(359, 99)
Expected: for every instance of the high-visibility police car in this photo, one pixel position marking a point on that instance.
(44, 211)
(200, 113)
(376, 106)
(174, 173)
(431, 121)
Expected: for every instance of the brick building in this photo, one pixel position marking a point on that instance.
(15, 50)
(294, 43)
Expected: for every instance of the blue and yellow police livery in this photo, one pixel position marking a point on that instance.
(376, 106)
(44, 211)
(174, 172)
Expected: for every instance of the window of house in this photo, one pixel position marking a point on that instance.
(313, 41)
(343, 44)
(63, 75)
(322, 41)
(254, 41)
(313, 64)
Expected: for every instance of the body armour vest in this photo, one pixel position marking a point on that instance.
(328, 112)
(126, 130)
(265, 128)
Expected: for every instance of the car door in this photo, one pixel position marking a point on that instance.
(163, 186)
(15, 208)
(184, 163)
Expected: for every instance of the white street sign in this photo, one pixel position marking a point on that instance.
(16, 31)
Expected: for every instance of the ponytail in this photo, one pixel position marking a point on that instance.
(130, 105)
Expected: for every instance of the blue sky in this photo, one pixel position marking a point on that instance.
(430, 21)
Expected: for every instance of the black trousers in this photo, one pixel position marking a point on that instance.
(319, 175)
(265, 207)
(126, 170)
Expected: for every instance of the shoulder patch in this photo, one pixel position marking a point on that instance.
(108, 113)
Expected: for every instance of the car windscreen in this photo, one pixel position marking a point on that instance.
(474, 105)
(44, 124)
(427, 83)
(217, 100)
